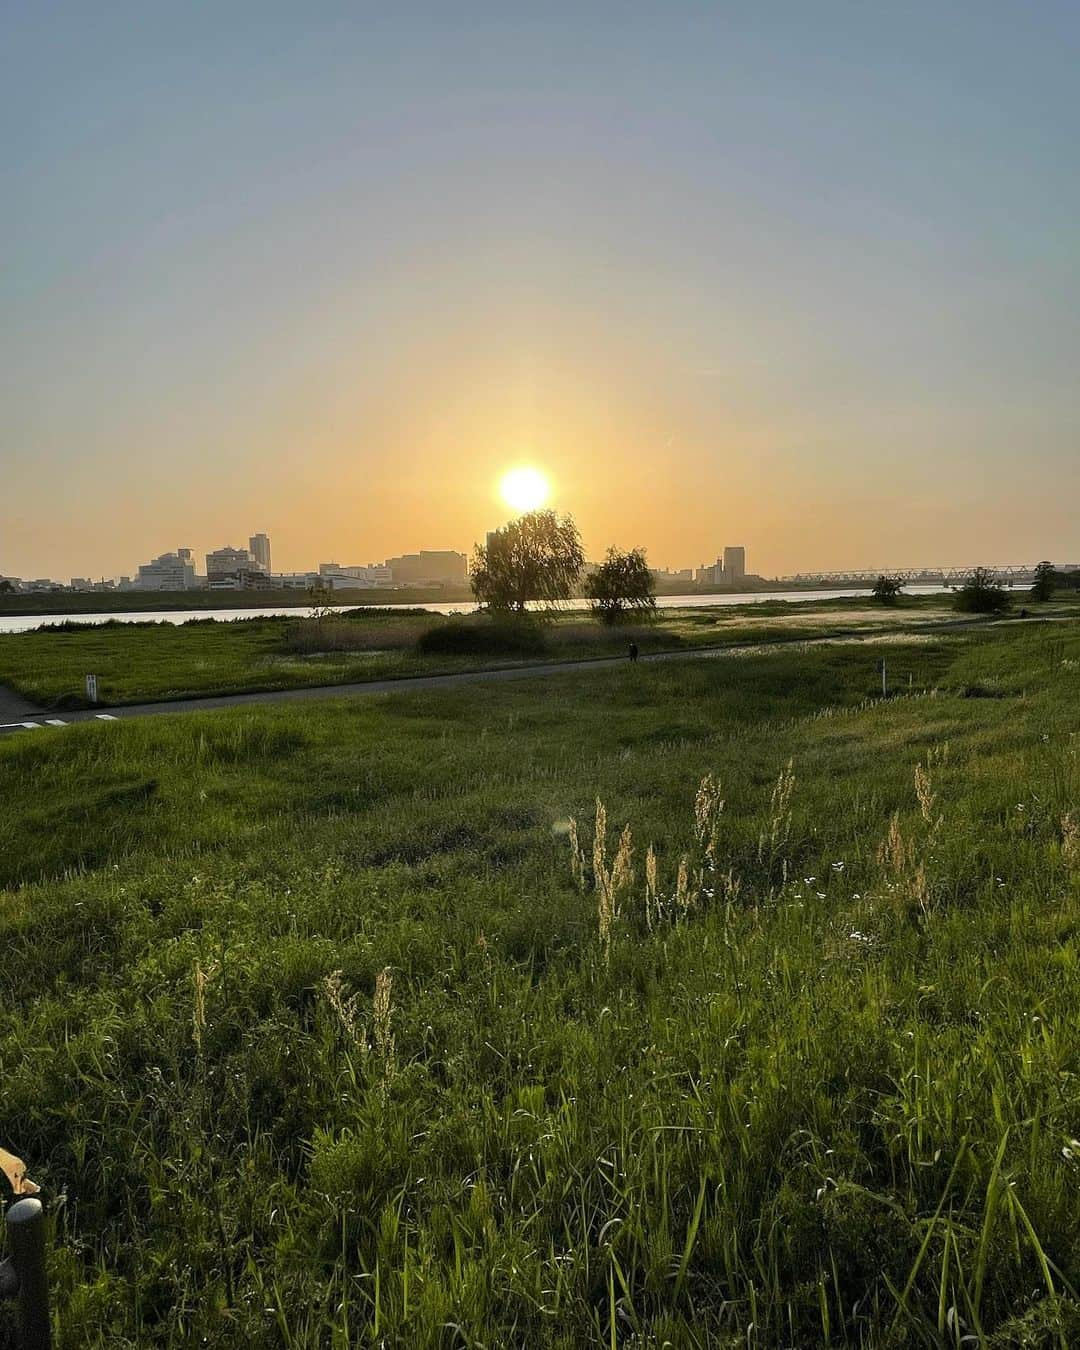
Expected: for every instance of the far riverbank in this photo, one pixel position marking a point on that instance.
(255, 605)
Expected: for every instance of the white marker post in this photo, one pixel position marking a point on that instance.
(91, 688)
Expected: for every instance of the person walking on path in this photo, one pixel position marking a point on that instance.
(633, 651)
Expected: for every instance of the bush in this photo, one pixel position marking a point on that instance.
(340, 634)
(982, 593)
(483, 637)
(887, 589)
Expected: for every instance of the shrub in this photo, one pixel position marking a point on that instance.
(342, 635)
(483, 637)
(982, 593)
(887, 590)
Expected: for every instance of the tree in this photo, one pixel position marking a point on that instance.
(321, 599)
(6, 587)
(622, 584)
(538, 556)
(982, 593)
(887, 589)
(1045, 581)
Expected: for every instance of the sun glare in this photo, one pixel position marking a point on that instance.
(524, 489)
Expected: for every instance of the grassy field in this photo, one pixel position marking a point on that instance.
(318, 1031)
(136, 663)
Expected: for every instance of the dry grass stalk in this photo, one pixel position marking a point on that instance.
(610, 883)
(200, 979)
(1070, 839)
(577, 858)
(683, 898)
(381, 1011)
(622, 870)
(345, 1007)
(924, 793)
(732, 886)
(652, 888)
(599, 847)
(893, 852)
(708, 805)
(920, 891)
(779, 830)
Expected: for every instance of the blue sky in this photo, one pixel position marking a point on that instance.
(800, 276)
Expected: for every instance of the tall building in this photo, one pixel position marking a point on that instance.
(169, 572)
(259, 548)
(727, 571)
(734, 565)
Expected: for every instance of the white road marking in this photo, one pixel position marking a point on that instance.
(32, 726)
(105, 717)
(56, 722)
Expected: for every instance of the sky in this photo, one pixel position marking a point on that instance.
(802, 277)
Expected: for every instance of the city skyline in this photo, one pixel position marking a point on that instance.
(177, 569)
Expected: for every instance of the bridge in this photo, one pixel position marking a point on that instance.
(1009, 573)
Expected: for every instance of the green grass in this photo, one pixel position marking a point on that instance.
(153, 661)
(826, 1104)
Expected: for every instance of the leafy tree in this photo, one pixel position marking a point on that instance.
(1045, 581)
(887, 589)
(538, 556)
(982, 593)
(6, 587)
(622, 584)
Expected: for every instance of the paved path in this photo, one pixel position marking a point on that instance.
(28, 718)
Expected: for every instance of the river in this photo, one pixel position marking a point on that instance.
(25, 623)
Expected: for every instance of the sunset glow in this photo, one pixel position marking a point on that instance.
(524, 489)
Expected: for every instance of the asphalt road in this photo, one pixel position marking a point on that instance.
(21, 716)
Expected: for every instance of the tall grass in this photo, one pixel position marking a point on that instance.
(325, 1043)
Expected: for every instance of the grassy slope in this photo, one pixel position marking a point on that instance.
(162, 661)
(837, 1101)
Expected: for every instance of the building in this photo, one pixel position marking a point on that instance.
(235, 569)
(734, 565)
(429, 567)
(355, 576)
(292, 581)
(231, 560)
(727, 571)
(259, 548)
(169, 572)
(250, 580)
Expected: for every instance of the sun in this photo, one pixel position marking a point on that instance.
(524, 489)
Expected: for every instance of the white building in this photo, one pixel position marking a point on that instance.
(355, 577)
(292, 581)
(169, 572)
(230, 561)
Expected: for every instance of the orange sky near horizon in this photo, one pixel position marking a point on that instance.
(726, 275)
